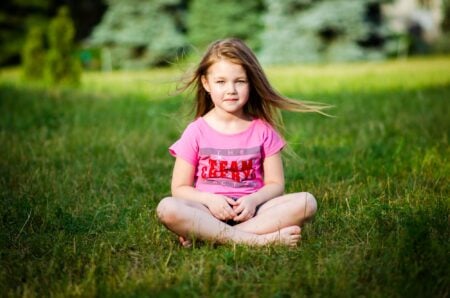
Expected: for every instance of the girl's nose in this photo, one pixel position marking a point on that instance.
(231, 88)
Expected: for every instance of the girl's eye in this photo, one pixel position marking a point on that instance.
(220, 82)
(242, 81)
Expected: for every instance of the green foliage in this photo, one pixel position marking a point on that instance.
(61, 66)
(442, 45)
(17, 18)
(211, 20)
(446, 16)
(82, 171)
(33, 54)
(312, 31)
(140, 33)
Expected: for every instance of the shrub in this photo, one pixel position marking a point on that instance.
(33, 54)
(61, 66)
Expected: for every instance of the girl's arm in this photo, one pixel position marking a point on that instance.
(183, 181)
(273, 187)
(183, 187)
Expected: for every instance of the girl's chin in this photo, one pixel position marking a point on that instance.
(236, 112)
(232, 105)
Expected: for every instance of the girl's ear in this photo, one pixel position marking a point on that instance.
(205, 83)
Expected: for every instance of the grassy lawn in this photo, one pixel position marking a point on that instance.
(82, 170)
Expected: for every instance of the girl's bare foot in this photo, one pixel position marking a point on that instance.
(288, 236)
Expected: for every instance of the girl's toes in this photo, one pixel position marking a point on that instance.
(184, 242)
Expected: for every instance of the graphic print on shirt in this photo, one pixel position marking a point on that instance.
(229, 167)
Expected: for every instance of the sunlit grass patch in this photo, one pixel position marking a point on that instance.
(401, 75)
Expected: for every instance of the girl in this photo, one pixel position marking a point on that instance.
(228, 183)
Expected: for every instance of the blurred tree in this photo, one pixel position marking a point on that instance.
(446, 12)
(323, 30)
(209, 20)
(61, 64)
(33, 54)
(140, 33)
(17, 17)
(443, 44)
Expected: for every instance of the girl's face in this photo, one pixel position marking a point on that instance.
(228, 86)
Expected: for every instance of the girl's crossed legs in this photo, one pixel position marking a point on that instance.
(276, 221)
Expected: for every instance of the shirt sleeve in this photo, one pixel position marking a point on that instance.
(186, 147)
(273, 142)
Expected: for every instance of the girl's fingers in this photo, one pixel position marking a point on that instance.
(239, 209)
(227, 214)
(231, 201)
(247, 214)
(243, 216)
(231, 212)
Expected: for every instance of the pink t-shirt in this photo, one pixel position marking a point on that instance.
(228, 164)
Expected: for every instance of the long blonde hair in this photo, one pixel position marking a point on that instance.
(264, 102)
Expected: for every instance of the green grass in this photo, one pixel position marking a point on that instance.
(81, 172)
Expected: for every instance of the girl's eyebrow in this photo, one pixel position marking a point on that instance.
(222, 77)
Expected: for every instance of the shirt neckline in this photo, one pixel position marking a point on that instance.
(250, 126)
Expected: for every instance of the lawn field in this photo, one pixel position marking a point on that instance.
(82, 170)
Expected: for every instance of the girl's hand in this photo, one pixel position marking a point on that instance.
(220, 207)
(245, 207)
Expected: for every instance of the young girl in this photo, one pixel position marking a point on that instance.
(228, 183)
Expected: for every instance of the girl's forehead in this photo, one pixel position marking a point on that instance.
(225, 67)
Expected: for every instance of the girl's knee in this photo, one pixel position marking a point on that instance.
(166, 209)
(311, 203)
(307, 205)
